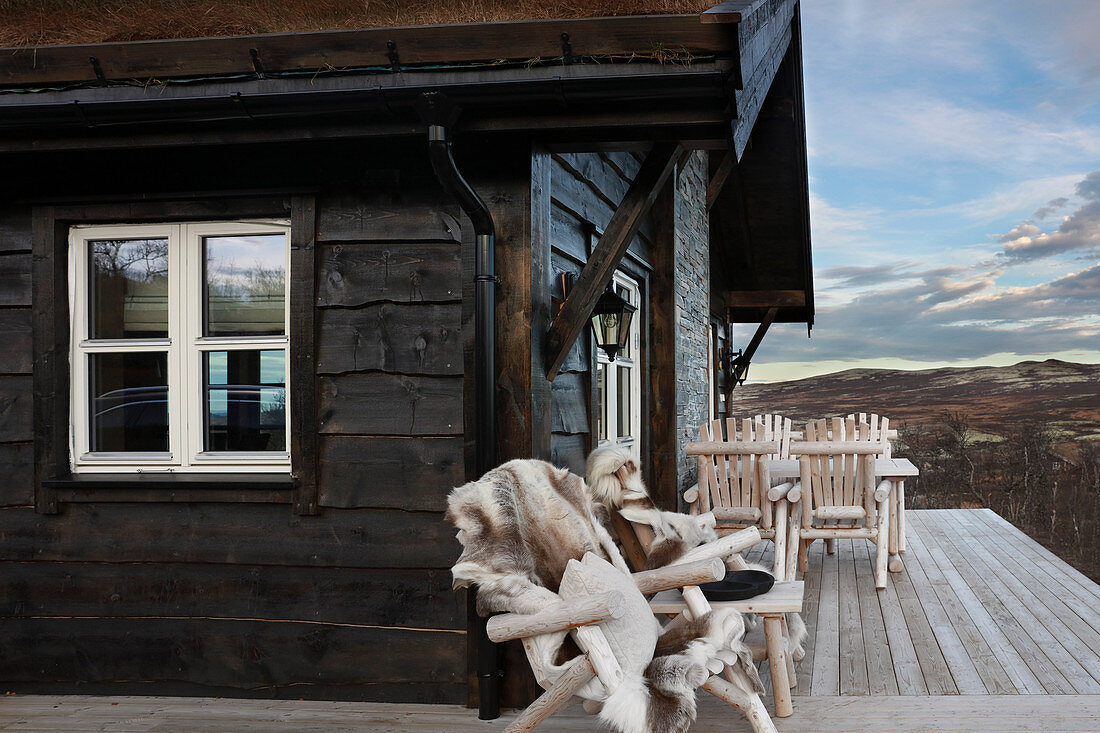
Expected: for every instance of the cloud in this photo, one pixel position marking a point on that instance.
(1052, 206)
(1078, 231)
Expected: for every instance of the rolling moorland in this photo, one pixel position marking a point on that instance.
(995, 400)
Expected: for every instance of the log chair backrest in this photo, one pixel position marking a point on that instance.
(839, 472)
(880, 428)
(772, 427)
(732, 479)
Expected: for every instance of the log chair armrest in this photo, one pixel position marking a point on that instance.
(882, 491)
(723, 547)
(677, 576)
(691, 494)
(706, 520)
(557, 617)
(776, 493)
(795, 494)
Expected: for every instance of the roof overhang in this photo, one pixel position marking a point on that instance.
(588, 80)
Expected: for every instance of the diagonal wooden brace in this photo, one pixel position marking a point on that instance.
(608, 253)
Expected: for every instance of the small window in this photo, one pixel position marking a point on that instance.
(179, 347)
(618, 383)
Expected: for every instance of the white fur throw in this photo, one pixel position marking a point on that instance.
(520, 525)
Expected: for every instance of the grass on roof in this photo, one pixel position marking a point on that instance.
(47, 22)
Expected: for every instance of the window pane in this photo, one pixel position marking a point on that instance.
(245, 285)
(623, 415)
(245, 400)
(601, 401)
(129, 293)
(129, 402)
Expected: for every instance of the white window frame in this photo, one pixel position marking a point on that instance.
(185, 346)
(630, 360)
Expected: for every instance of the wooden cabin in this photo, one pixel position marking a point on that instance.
(239, 370)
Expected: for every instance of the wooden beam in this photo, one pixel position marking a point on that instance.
(731, 11)
(718, 180)
(741, 364)
(609, 251)
(765, 298)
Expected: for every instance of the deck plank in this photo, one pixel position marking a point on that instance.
(993, 676)
(853, 657)
(1014, 665)
(937, 675)
(906, 666)
(976, 577)
(826, 670)
(811, 590)
(964, 677)
(1047, 621)
(1075, 590)
(881, 678)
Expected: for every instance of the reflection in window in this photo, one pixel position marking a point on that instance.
(245, 400)
(601, 401)
(129, 288)
(245, 285)
(623, 419)
(129, 402)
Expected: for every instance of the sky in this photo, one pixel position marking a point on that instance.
(954, 157)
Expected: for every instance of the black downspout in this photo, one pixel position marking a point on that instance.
(440, 115)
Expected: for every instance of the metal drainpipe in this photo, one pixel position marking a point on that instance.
(440, 115)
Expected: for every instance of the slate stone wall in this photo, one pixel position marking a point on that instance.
(692, 309)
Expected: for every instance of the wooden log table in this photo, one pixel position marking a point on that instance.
(892, 470)
(784, 597)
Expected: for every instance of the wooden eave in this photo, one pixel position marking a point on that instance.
(674, 38)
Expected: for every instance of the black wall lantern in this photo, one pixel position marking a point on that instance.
(611, 322)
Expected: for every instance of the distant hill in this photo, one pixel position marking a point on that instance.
(1065, 394)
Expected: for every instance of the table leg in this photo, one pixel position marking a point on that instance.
(901, 516)
(792, 677)
(777, 663)
(893, 517)
(895, 564)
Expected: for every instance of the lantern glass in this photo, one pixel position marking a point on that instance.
(611, 320)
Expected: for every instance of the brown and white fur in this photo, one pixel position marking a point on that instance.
(614, 479)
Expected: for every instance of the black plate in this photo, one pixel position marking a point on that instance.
(739, 585)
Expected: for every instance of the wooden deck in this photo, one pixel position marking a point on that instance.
(985, 630)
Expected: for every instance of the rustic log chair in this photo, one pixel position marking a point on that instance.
(582, 616)
(837, 488)
(735, 485)
(879, 426)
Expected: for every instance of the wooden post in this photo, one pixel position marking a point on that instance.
(662, 469)
(519, 197)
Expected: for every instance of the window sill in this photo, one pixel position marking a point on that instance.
(175, 488)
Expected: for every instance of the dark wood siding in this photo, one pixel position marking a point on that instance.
(16, 398)
(253, 599)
